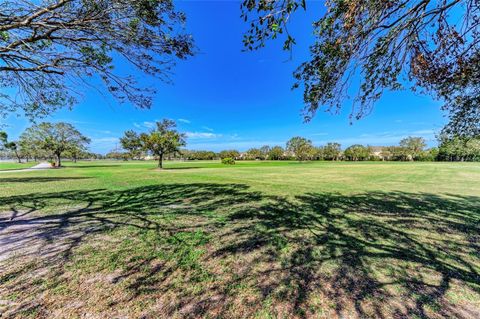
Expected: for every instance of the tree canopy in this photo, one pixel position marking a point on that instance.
(3, 138)
(300, 147)
(357, 152)
(163, 140)
(55, 138)
(229, 154)
(430, 45)
(413, 146)
(132, 144)
(276, 153)
(332, 151)
(48, 49)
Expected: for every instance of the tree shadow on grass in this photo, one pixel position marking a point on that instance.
(38, 179)
(70, 165)
(208, 249)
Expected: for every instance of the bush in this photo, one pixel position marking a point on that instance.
(228, 161)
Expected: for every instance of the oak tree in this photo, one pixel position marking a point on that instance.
(163, 140)
(49, 49)
(132, 144)
(56, 138)
(300, 147)
(431, 46)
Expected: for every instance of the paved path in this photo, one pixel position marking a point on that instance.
(43, 165)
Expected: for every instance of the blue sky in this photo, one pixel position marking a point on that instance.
(224, 98)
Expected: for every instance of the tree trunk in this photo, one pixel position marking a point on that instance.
(18, 157)
(59, 160)
(160, 161)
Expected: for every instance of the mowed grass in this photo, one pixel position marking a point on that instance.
(11, 165)
(251, 240)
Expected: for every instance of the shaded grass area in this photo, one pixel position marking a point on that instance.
(228, 250)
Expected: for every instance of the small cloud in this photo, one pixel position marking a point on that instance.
(424, 132)
(105, 140)
(137, 125)
(107, 132)
(201, 135)
(319, 134)
(398, 121)
(149, 124)
(184, 121)
(207, 128)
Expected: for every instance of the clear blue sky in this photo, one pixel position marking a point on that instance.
(225, 98)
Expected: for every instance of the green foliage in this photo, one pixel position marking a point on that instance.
(228, 161)
(199, 155)
(3, 138)
(276, 153)
(357, 153)
(54, 138)
(254, 154)
(332, 151)
(118, 155)
(300, 147)
(317, 153)
(413, 146)
(459, 149)
(381, 43)
(50, 49)
(162, 140)
(229, 154)
(429, 155)
(132, 144)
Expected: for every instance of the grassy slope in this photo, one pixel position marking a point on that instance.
(255, 239)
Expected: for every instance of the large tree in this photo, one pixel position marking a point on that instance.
(49, 49)
(332, 151)
(14, 147)
(300, 147)
(413, 146)
(459, 149)
(56, 138)
(132, 144)
(3, 138)
(387, 45)
(254, 153)
(28, 146)
(276, 153)
(357, 152)
(11, 146)
(163, 140)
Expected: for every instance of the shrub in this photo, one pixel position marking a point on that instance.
(228, 161)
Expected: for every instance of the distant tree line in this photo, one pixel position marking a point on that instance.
(57, 141)
(302, 149)
(298, 148)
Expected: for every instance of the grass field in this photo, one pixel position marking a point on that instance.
(4, 166)
(253, 240)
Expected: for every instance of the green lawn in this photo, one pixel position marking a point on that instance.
(11, 165)
(256, 239)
